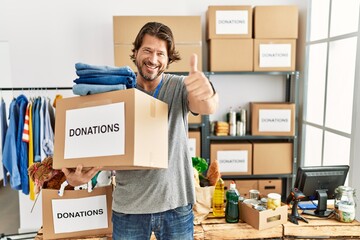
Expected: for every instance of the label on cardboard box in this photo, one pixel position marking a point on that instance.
(275, 55)
(274, 120)
(231, 22)
(233, 161)
(89, 134)
(72, 215)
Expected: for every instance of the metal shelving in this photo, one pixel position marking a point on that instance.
(291, 95)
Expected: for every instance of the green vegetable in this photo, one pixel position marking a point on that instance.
(199, 164)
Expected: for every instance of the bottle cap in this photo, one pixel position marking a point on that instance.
(232, 185)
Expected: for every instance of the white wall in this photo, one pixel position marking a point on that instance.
(46, 38)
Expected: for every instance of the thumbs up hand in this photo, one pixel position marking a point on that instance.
(197, 85)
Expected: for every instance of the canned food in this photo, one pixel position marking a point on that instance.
(273, 201)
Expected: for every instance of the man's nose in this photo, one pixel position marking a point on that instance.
(153, 58)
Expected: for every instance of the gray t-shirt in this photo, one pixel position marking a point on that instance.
(158, 190)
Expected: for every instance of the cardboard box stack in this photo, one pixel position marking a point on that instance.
(186, 30)
(229, 35)
(275, 34)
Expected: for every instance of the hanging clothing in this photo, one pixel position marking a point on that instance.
(3, 129)
(48, 140)
(10, 157)
(3, 124)
(31, 152)
(42, 122)
(36, 129)
(21, 146)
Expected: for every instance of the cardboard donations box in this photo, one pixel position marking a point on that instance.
(125, 129)
(77, 213)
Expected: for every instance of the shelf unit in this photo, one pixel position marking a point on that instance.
(291, 95)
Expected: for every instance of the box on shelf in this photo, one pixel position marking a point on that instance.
(233, 158)
(272, 158)
(263, 219)
(115, 130)
(186, 30)
(276, 21)
(267, 186)
(77, 213)
(229, 22)
(272, 118)
(195, 143)
(274, 55)
(237, 52)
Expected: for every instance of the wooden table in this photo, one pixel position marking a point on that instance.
(218, 229)
(317, 228)
(323, 228)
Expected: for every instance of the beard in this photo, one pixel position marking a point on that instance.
(144, 74)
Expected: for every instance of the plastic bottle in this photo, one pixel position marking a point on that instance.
(232, 204)
(218, 199)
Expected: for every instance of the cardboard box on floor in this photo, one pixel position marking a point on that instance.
(117, 130)
(77, 213)
(263, 219)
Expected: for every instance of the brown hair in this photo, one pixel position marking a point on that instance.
(160, 31)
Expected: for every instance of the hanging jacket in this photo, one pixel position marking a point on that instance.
(10, 160)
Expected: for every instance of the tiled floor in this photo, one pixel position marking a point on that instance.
(9, 210)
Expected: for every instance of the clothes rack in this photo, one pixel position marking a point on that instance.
(35, 88)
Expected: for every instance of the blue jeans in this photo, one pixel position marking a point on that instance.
(169, 225)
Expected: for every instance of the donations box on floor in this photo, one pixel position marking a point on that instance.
(77, 213)
(117, 130)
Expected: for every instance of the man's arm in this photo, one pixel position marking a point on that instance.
(201, 95)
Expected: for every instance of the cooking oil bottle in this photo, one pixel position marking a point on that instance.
(218, 199)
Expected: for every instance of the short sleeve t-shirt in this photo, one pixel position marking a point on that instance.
(158, 190)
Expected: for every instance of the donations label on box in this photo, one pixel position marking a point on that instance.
(89, 134)
(69, 215)
(275, 120)
(274, 55)
(233, 161)
(232, 22)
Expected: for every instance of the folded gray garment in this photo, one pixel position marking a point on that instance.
(87, 89)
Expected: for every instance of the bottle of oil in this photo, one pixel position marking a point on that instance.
(232, 204)
(218, 199)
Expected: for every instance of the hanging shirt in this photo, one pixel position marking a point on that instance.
(3, 129)
(48, 141)
(36, 129)
(42, 124)
(3, 121)
(10, 159)
(21, 146)
(31, 153)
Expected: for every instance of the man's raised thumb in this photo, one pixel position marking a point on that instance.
(193, 63)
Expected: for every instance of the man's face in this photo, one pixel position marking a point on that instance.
(151, 58)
